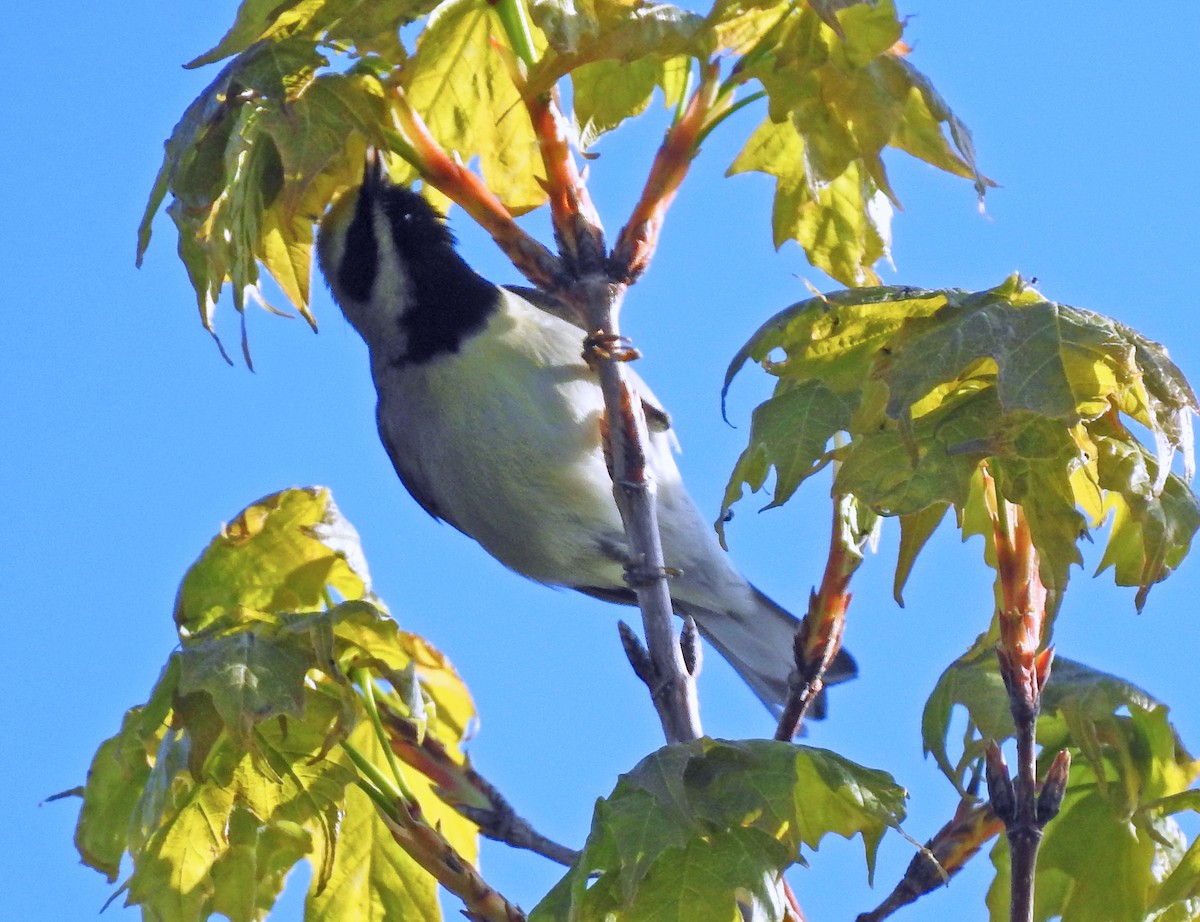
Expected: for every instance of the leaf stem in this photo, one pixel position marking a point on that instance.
(516, 26)
(364, 680)
(382, 784)
(717, 119)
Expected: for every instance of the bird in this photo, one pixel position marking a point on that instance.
(492, 420)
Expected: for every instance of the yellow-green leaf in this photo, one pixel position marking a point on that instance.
(843, 225)
(464, 91)
(282, 553)
(943, 383)
(711, 824)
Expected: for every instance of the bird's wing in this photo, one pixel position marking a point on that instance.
(657, 418)
(411, 480)
(545, 301)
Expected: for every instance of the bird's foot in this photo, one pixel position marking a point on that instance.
(638, 575)
(601, 346)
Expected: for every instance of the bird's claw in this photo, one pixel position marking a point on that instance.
(638, 575)
(601, 346)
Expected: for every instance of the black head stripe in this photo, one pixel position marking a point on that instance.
(450, 300)
(360, 259)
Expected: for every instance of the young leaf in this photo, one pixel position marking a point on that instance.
(368, 25)
(465, 93)
(281, 553)
(231, 772)
(844, 224)
(710, 824)
(839, 93)
(608, 30)
(1028, 388)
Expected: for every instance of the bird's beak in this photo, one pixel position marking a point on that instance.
(375, 171)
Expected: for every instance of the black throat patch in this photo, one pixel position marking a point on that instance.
(450, 300)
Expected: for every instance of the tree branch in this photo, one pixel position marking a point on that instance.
(584, 280)
(466, 790)
(672, 685)
(819, 638)
(639, 237)
(440, 170)
(942, 857)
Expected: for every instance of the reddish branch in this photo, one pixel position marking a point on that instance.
(639, 237)
(577, 226)
(1022, 619)
(820, 636)
(448, 176)
(467, 791)
(942, 857)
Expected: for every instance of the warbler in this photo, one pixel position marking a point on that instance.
(492, 420)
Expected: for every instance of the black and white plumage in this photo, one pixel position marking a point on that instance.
(493, 423)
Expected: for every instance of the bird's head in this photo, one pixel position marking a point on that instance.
(389, 259)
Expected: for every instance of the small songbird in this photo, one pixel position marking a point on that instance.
(492, 419)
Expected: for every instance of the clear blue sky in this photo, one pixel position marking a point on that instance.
(128, 441)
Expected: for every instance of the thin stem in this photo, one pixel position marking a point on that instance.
(716, 120)
(371, 773)
(516, 27)
(367, 684)
(639, 237)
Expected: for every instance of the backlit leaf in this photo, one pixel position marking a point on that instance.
(1029, 389)
(707, 824)
(232, 772)
(463, 90)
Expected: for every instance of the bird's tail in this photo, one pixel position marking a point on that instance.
(758, 643)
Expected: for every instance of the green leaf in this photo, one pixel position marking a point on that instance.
(1082, 709)
(843, 224)
(1152, 527)
(231, 773)
(282, 553)
(707, 824)
(607, 92)
(1181, 887)
(370, 25)
(915, 531)
(837, 337)
(1104, 856)
(839, 93)
(248, 677)
(608, 30)
(1030, 389)
(119, 771)
(465, 93)
(788, 434)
